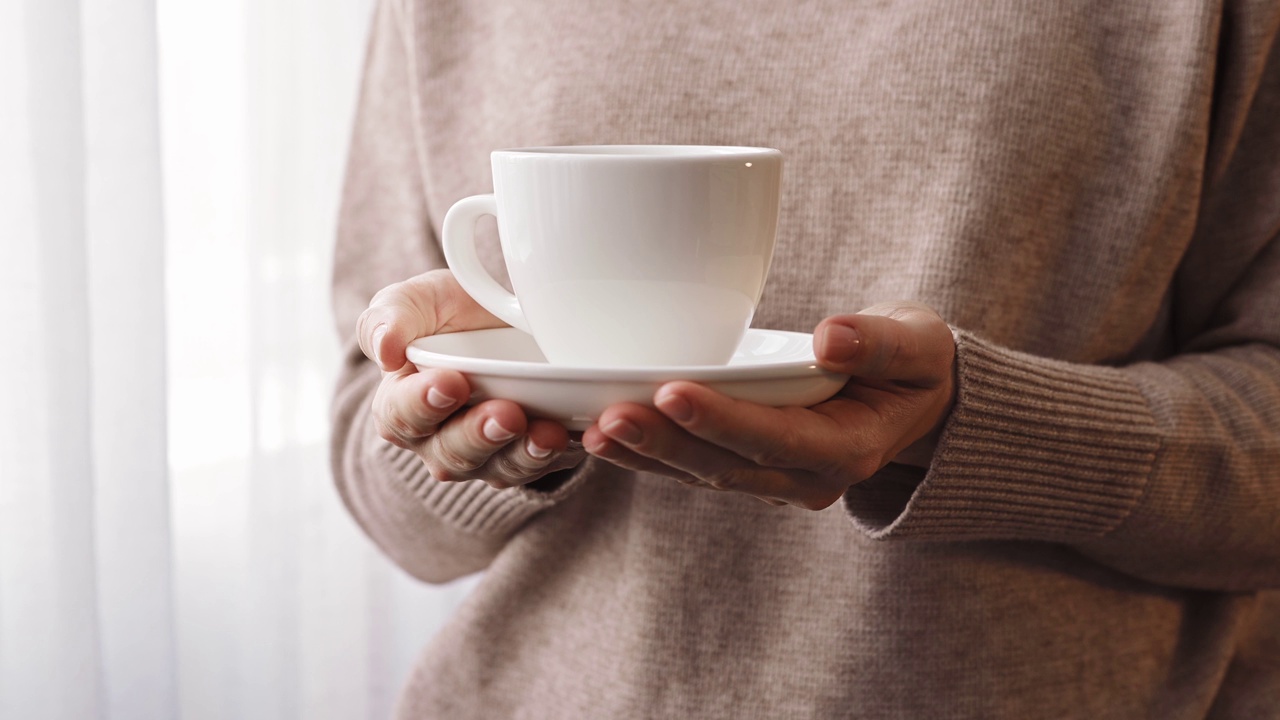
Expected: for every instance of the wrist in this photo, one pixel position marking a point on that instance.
(919, 453)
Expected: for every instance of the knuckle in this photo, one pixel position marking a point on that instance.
(509, 465)
(777, 451)
(385, 412)
(402, 426)
(862, 468)
(392, 306)
(361, 324)
(903, 310)
(386, 295)
(368, 314)
(370, 320)
(386, 433)
(728, 479)
(390, 427)
(888, 353)
(441, 473)
(450, 459)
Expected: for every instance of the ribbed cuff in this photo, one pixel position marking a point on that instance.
(472, 505)
(1034, 449)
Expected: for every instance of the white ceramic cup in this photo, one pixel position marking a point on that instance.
(625, 255)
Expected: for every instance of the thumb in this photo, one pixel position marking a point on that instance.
(904, 342)
(396, 317)
(426, 304)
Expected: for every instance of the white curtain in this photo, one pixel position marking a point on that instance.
(170, 542)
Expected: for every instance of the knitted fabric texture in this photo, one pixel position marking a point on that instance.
(1088, 193)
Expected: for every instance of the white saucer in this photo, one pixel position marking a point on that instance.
(770, 367)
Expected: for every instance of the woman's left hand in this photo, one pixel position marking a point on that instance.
(900, 358)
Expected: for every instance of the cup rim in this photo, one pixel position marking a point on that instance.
(640, 152)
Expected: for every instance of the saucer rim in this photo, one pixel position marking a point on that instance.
(422, 356)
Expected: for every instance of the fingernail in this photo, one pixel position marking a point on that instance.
(378, 333)
(495, 432)
(675, 407)
(537, 451)
(624, 431)
(439, 400)
(839, 343)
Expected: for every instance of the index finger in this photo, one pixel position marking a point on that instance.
(423, 305)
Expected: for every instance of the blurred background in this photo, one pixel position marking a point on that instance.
(171, 545)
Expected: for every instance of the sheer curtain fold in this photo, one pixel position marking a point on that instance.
(85, 603)
(48, 627)
(170, 542)
(124, 242)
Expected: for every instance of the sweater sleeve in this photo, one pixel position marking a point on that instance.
(1167, 470)
(435, 531)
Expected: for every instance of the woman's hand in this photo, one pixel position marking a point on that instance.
(425, 411)
(900, 357)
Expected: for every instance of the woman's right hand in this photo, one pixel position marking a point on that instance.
(426, 411)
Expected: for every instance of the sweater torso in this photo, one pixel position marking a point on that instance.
(1034, 172)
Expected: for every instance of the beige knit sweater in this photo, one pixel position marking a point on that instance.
(1088, 192)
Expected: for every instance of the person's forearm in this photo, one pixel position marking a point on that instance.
(1165, 471)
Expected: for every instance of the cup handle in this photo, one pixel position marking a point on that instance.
(459, 241)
